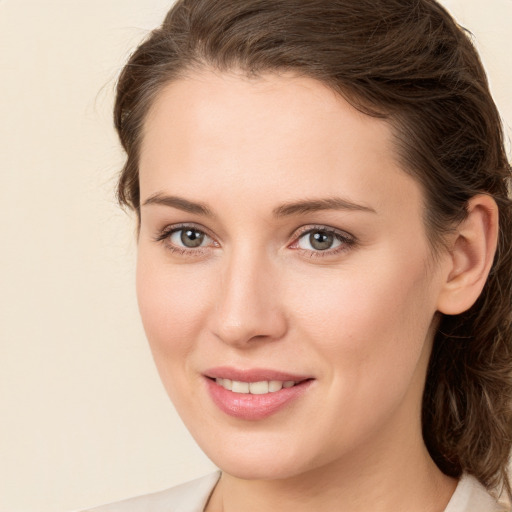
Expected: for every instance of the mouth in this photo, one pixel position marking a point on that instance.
(261, 387)
(254, 394)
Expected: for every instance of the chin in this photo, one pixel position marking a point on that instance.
(258, 469)
(268, 459)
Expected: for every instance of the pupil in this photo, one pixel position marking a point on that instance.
(321, 241)
(191, 238)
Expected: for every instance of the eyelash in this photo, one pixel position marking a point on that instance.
(165, 234)
(346, 240)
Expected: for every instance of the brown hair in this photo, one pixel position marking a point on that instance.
(406, 61)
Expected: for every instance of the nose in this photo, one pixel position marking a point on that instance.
(248, 308)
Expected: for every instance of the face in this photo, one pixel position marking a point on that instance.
(284, 278)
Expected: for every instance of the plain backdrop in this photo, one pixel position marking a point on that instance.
(83, 417)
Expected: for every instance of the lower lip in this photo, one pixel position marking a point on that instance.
(254, 407)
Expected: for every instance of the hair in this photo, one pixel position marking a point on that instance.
(408, 62)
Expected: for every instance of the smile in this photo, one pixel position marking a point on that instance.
(254, 394)
(255, 388)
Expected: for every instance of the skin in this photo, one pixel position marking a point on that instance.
(358, 319)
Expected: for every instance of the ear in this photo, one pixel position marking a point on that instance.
(471, 256)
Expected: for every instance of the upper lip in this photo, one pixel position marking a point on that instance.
(253, 374)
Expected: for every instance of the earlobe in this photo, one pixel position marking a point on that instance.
(471, 256)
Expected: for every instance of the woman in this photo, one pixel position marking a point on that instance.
(324, 253)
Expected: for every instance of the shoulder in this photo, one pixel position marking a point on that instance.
(188, 497)
(471, 496)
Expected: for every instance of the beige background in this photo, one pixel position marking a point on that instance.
(83, 417)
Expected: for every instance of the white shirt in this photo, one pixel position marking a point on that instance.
(469, 496)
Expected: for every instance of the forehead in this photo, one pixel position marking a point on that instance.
(297, 109)
(274, 137)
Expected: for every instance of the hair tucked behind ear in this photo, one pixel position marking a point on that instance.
(408, 62)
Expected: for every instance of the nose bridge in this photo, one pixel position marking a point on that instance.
(248, 306)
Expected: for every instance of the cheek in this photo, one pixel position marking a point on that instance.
(371, 320)
(172, 302)
(370, 332)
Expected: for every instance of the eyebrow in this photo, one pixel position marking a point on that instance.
(285, 210)
(314, 205)
(179, 203)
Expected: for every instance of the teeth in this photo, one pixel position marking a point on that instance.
(240, 387)
(225, 383)
(275, 385)
(255, 388)
(258, 388)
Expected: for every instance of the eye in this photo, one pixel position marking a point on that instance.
(189, 238)
(318, 240)
(322, 241)
(185, 239)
